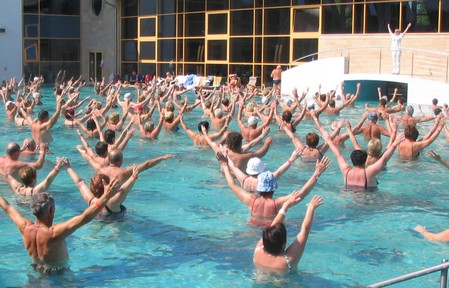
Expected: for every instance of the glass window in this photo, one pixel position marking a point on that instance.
(241, 50)
(274, 3)
(59, 50)
(148, 27)
(336, 1)
(96, 6)
(179, 56)
(217, 69)
(63, 7)
(242, 22)
(337, 19)
(276, 49)
(166, 26)
(163, 68)
(217, 5)
(147, 68)
(197, 69)
(127, 70)
(306, 20)
(59, 27)
(166, 50)
(422, 14)
(129, 28)
(358, 19)
(259, 23)
(180, 25)
(31, 69)
(30, 6)
(195, 5)
(218, 24)
(258, 50)
(445, 16)
(30, 26)
(147, 50)
(277, 21)
(147, 7)
(180, 6)
(378, 15)
(217, 50)
(194, 50)
(49, 69)
(30, 47)
(305, 2)
(129, 8)
(304, 47)
(236, 4)
(129, 50)
(166, 6)
(242, 71)
(195, 25)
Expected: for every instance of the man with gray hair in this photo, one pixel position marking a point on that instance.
(409, 120)
(45, 241)
(10, 164)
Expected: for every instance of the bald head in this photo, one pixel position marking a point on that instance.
(12, 148)
(115, 157)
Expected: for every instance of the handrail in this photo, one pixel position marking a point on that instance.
(441, 267)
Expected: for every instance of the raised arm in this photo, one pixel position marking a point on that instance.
(18, 219)
(440, 237)
(65, 229)
(43, 186)
(296, 249)
(244, 196)
(436, 156)
(81, 184)
(151, 163)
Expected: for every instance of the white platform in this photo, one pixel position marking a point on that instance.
(331, 72)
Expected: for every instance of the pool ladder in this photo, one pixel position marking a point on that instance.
(441, 267)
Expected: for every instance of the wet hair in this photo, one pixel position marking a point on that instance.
(234, 141)
(401, 100)
(149, 126)
(98, 105)
(332, 103)
(169, 107)
(411, 133)
(323, 97)
(208, 104)
(43, 114)
(374, 147)
(69, 113)
(12, 148)
(287, 116)
(27, 175)
(274, 239)
(41, 204)
(90, 125)
(101, 148)
(312, 140)
(203, 123)
(115, 157)
(383, 102)
(109, 136)
(96, 184)
(225, 101)
(358, 158)
(114, 118)
(437, 111)
(434, 101)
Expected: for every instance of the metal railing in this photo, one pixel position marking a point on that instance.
(441, 267)
(377, 59)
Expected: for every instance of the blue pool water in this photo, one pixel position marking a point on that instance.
(184, 227)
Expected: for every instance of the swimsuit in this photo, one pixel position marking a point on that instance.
(112, 214)
(266, 218)
(276, 82)
(287, 260)
(49, 269)
(308, 160)
(355, 186)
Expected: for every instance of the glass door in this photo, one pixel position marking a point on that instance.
(96, 65)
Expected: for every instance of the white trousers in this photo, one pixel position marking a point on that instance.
(396, 55)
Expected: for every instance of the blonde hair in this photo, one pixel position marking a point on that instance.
(374, 147)
(114, 118)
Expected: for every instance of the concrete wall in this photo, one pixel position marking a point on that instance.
(99, 34)
(11, 40)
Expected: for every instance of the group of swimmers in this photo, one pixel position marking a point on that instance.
(108, 190)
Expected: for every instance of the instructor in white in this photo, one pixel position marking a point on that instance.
(396, 39)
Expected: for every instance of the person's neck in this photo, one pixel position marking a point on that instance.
(46, 221)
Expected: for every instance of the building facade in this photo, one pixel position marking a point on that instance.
(97, 38)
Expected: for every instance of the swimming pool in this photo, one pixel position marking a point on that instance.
(184, 227)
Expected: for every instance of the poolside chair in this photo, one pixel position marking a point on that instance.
(217, 81)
